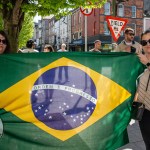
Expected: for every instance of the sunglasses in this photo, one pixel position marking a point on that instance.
(144, 42)
(131, 34)
(3, 41)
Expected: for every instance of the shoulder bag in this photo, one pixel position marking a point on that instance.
(139, 107)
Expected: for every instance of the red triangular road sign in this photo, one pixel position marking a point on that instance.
(116, 25)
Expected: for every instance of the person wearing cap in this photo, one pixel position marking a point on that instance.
(97, 46)
(30, 47)
(128, 44)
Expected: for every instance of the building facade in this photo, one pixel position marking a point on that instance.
(97, 27)
(146, 15)
(71, 29)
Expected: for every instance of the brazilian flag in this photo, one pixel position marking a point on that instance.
(66, 101)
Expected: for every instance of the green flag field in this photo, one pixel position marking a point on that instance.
(66, 101)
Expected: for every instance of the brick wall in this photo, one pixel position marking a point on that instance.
(95, 22)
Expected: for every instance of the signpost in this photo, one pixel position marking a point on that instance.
(116, 25)
(86, 12)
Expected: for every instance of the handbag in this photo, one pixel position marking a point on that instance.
(138, 108)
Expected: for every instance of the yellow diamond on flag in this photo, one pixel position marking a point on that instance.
(24, 100)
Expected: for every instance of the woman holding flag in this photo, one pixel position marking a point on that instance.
(4, 43)
(144, 88)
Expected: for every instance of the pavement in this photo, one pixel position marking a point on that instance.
(135, 138)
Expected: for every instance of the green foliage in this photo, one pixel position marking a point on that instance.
(9, 5)
(1, 23)
(27, 30)
(58, 7)
(13, 14)
(49, 7)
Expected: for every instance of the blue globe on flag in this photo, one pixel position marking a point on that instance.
(63, 98)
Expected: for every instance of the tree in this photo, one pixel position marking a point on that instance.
(26, 32)
(1, 23)
(13, 13)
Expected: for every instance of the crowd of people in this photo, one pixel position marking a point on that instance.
(127, 45)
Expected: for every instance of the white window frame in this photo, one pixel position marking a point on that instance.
(145, 27)
(120, 10)
(79, 17)
(107, 8)
(133, 11)
(74, 19)
(106, 32)
(133, 26)
(73, 37)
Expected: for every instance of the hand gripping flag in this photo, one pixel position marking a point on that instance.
(66, 101)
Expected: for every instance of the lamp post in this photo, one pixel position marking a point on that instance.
(85, 33)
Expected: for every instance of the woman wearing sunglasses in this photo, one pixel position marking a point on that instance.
(4, 43)
(144, 88)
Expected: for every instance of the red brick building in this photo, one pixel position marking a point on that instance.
(76, 30)
(97, 25)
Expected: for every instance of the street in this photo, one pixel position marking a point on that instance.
(135, 138)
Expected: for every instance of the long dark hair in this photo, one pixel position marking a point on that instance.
(49, 47)
(29, 43)
(7, 50)
(145, 32)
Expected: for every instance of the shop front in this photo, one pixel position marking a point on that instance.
(106, 42)
(76, 45)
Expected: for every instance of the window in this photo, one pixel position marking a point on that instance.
(74, 20)
(121, 10)
(133, 9)
(46, 24)
(107, 9)
(79, 35)
(146, 23)
(73, 37)
(79, 17)
(94, 32)
(106, 30)
(64, 31)
(133, 26)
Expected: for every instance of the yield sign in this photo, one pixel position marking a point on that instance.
(116, 25)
